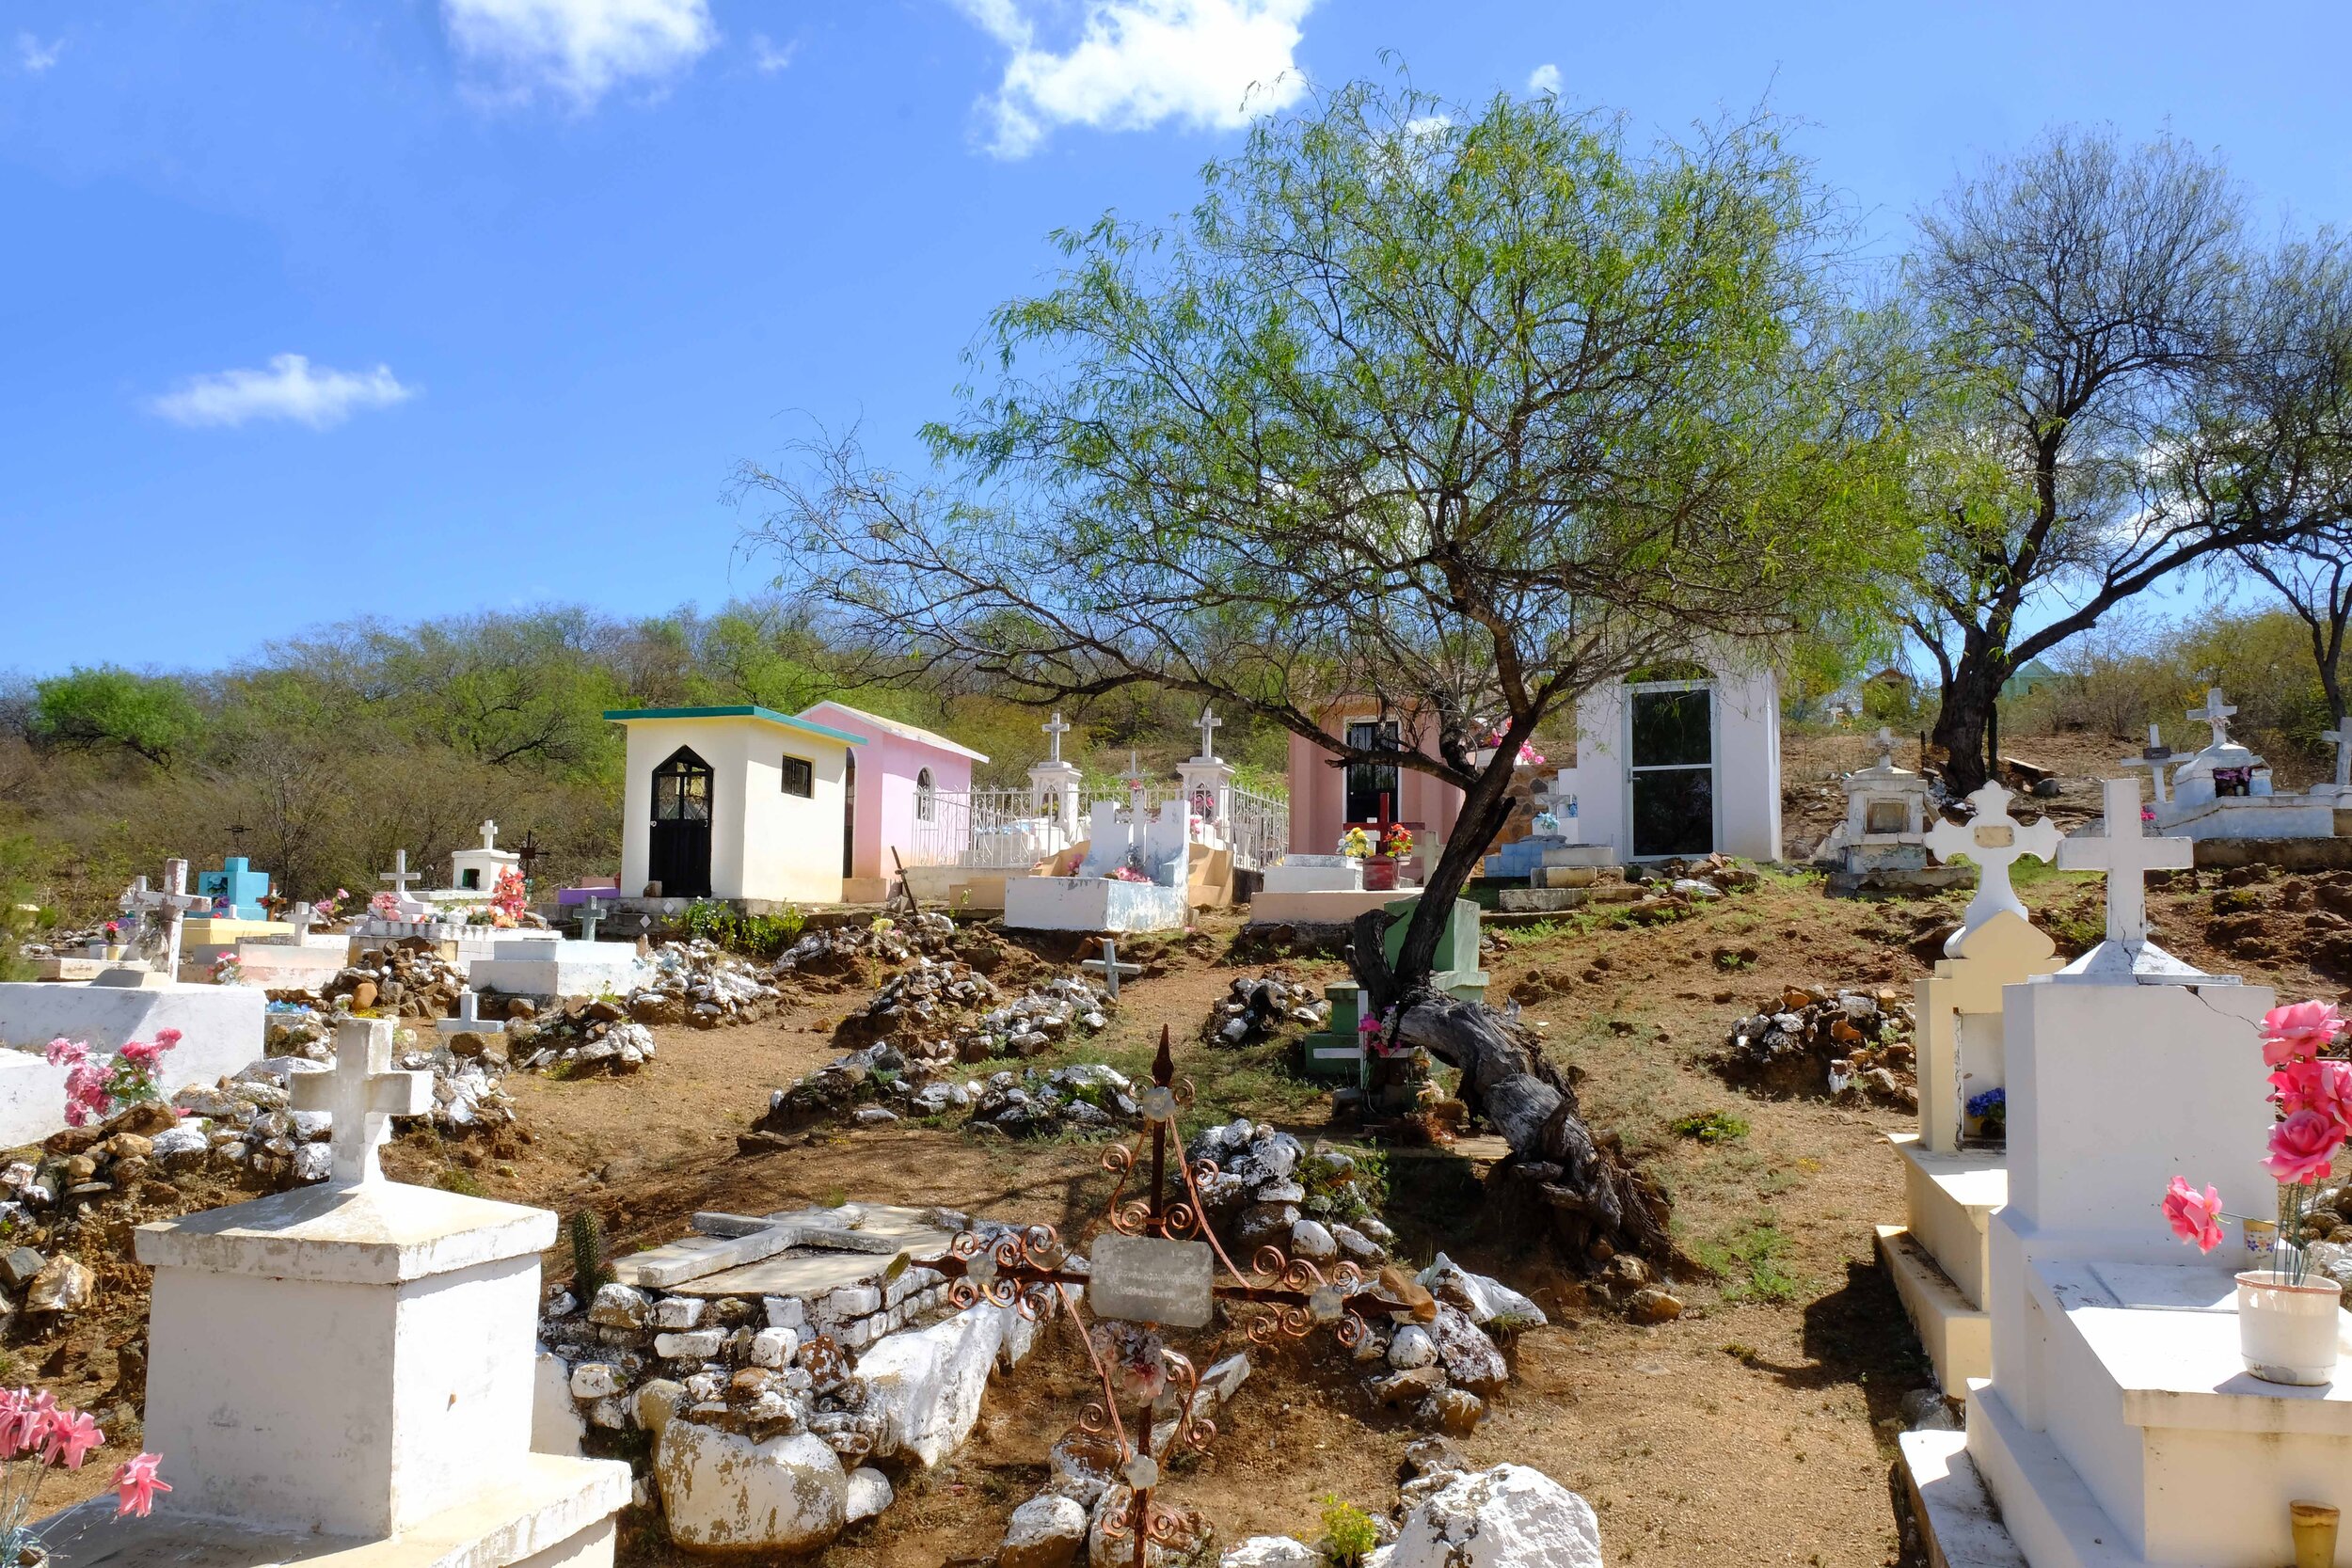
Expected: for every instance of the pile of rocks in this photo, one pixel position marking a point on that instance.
(407, 978)
(1814, 1041)
(768, 1413)
(1318, 1204)
(466, 1068)
(1082, 1097)
(933, 1012)
(701, 983)
(1259, 1005)
(840, 949)
(584, 1037)
(1436, 1359)
(1063, 1524)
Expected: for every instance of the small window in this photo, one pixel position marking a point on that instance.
(926, 795)
(471, 877)
(800, 777)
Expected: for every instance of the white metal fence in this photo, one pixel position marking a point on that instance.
(1003, 828)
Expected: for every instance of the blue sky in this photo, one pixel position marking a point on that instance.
(417, 307)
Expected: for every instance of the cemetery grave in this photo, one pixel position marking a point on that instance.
(1778, 1212)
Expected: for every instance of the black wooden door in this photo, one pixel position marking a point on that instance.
(679, 855)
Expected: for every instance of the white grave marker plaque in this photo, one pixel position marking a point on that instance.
(1148, 1279)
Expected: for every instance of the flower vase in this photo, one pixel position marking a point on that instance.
(2314, 1529)
(2289, 1331)
(113, 952)
(1379, 874)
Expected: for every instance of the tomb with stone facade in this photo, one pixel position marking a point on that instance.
(1882, 843)
(344, 1373)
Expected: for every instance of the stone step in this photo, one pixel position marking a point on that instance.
(1542, 900)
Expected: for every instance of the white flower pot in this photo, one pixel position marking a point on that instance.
(2289, 1333)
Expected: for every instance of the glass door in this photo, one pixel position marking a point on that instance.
(1368, 781)
(1672, 764)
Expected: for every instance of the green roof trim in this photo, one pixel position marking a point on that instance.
(623, 715)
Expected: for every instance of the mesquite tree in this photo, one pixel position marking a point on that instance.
(1471, 409)
(2096, 352)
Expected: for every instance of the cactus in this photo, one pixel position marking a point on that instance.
(590, 1272)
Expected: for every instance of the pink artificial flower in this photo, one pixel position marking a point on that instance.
(166, 1037)
(2322, 1086)
(136, 1484)
(67, 1438)
(2299, 1030)
(2302, 1147)
(15, 1422)
(66, 1052)
(2194, 1218)
(145, 1053)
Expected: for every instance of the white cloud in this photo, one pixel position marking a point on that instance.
(35, 56)
(1544, 78)
(289, 390)
(768, 58)
(1136, 63)
(581, 49)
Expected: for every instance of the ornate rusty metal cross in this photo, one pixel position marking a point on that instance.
(1163, 1258)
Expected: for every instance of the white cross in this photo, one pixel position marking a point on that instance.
(362, 1093)
(1207, 725)
(2126, 855)
(1886, 747)
(2341, 736)
(1994, 840)
(172, 901)
(303, 917)
(468, 1017)
(2217, 713)
(2154, 759)
(591, 915)
(1135, 786)
(489, 833)
(1054, 732)
(400, 876)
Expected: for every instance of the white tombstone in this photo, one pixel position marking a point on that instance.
(410, 908)
(2156, 757)
(1055, 786)
(2126, 855)
(351, 1366)
(2341, 738)
(473, 873)
(172, 904)
(1207, 781)
(1994, 841)
(2119, 1424)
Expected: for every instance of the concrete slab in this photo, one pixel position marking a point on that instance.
(221, 1029)
(1958, 1523)
(1955, 1331)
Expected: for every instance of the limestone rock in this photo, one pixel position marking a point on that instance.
(63, 1285)
(1411, 1347)
(1406, 1387)
(926, 1386)
(1044, 1532)
(721, 1492)
(1511, 1516)
(618, 1306)
(1484, 1299)
(1456, 1411)
(1271, 1551)
(1311, 1241)
(868, 1494)
(1469, 1357)
(1653, 1304)
(556, 1426)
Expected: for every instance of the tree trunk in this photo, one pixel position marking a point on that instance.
(1486, 808)
(1598, 1204)
(1966, 723)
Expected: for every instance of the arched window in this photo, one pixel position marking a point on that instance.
(926, 795)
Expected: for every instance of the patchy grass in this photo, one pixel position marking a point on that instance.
(1710, 1127)
(1751, 1264)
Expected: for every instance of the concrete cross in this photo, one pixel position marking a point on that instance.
(400, 876)
(489, 833)
(2217, 713)
(1886, 747)
(304, 918)
(362, 1093)
(1054, 732)
(2154, 759)
(2126, 855)
(172, 902)
(2342, 736)
(1208, 724)
(469, 1018)
(1112, 969)
(591, 915)
(1994, 841)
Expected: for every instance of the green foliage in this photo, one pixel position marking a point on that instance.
(19, 915)
(1710, 1127)
(1750, 1260)
(590, 1271)
(760, 935)
(106, 708)
(459, 1179)
(1349, 1535)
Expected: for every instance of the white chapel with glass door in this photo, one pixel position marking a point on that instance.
(1680, 762)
